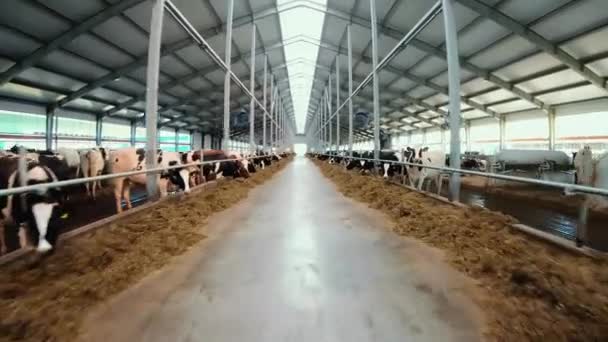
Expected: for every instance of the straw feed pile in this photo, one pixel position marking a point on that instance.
(46, 299)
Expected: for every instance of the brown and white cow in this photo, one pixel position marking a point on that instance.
(244, 165)
(225, 165)
(134, 159)
(191, 157)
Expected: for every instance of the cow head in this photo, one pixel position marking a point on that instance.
(229, 169)
(409, 154)
(386, 168)
(389, 170)
(422, 151)
(351, 164)
(242, 168)
(250, 167)
(179, 177)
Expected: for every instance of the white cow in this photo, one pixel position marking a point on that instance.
(592, 172)
(72, 158)
(92, 163)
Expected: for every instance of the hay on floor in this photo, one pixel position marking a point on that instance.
(46, 300)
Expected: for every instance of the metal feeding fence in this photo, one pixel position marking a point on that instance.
(59, 184)
(581, 229)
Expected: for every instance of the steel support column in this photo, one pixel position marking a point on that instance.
(467, 135)
(376, 79)
(252, 87)
(451, 42)
(98, 129)
(176, 139)
(276, 122)
(502, 130)
(350, 89)
(273, 127)
(153, 70)
(228, 58)
(338, 102)
(50, 123)
(551, 118)
(272, 106)
(133, 132)
(265, 102)
(279, 133)
(322, 123)
(318, 134)
(325, 130)
(330, 113)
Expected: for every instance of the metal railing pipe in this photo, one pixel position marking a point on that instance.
(570, 187)
(70, 182)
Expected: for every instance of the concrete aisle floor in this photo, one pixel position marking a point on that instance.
(295, 261)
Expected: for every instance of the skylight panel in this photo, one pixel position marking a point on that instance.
(301, 56)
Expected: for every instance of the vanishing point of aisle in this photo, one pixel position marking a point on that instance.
(296, 261)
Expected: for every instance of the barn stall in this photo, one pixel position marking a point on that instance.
(455, 76)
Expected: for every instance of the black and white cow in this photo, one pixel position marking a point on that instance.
(40, 211)
(352, 163)
(425, 157)
(243, 161)
(263, 159)
(391, 169)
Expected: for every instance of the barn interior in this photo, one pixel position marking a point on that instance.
(283, 113)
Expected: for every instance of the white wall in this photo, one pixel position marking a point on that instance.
(485, 136)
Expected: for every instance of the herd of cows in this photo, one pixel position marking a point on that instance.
(40, 214)
(391, 167)
(589, 170)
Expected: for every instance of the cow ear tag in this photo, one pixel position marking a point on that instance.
(65, 216)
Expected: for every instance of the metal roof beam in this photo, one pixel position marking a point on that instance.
(440, 53)
(88, 98)
(182, 80)
(66, 37)
(116, 74)
(415, 101)
(169, 49)
(418, 80)
(536, 39)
